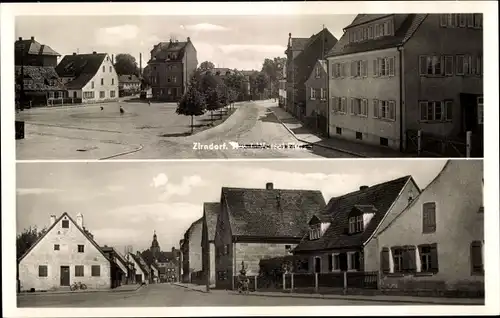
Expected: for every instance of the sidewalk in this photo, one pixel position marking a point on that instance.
(374, 298)
(123, 288)
(303, 134)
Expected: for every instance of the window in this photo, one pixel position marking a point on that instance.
(104, 69)
(51, 95)
(323, 93)
(429, 217)
(42, 271)
(370, 32)
(288, 247)
(313, 94)
(397, 259)
(431, 65)
(384, 66)
(92, 85)
(376, 35)
(356, 68)
(96, 270)
(112, 94)
(81, 248)
(112, 81)
(56, 247)
(336, 262)
(425, 258)
(460, 65)
(359, 135)
(174, 79)
(384, 141)
(359, 107)
(448, 65)
(480, 111)
(354, 261)
(315, 232)
(338, 131)
(364, 108)
(79, 270)
(436, 111)
(102, 81)
(384, 109)
(462, 20)
(476, 256)
(65, 224)
(467, 64)
(88, 95)
(318, 72)
(110, 69)
(356, 224)
(478, 20)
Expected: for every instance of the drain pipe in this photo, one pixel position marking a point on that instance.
(401, 100)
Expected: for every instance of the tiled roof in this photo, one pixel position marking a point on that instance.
(44, 78)
(33, 47)
(112, 251)
(165, 257)
(161, 50)
(91, 240)
(128, 79)
(137, 259)
(364, 18)
(271, 212)
(298, 44)
(376, 199)
(211, 210)
(408, 26)
(82, 67)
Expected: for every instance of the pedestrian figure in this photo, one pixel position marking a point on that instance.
(121, 110)
(102, 108)
(149, 102)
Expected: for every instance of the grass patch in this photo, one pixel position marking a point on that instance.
(204, 124)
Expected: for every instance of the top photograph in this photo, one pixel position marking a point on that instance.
(248, 87)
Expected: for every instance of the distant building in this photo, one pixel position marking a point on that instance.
(129, 84)
(166, 264)
(172, 65)
(119, 266)
(142, 270)
(317, 100)
(191, 250)
(91, 77)
(64, 255)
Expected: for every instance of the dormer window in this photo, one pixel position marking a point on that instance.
(356, 224)
(315, 232)
(318, 72)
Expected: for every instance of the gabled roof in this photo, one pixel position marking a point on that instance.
(403, 31)
(33, 47)
(211, 212)
(84, 233)
(128, 79)
(112, 251)
(272, 213)
(320, 63)
(82, 67)
(44, 78)
(298, 44)
(191, 227)
(137, 259)
(160, 51)
(365, 18)
(377, 199)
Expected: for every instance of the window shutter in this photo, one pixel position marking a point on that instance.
(375, 67)
(470, 20)
(347, 72)
(423, 65)
(375, 108)
(353, 69)
(479, 65)
(412, 255)
(423, 110)
(448, 110)
(384, 260)
(351, 106)
(392, 110)
(365, 68)
(344, 105)
(429, 217)
(476, 257)
(364, 107)
(391, 66)
(460, 65)
(442, 20)
(434, 266)
(448, 66)
(330, 262)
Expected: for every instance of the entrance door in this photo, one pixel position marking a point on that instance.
(74, 94)
(138, 278)
(64, 275)
(317, 265)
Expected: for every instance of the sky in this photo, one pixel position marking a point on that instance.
(241, 42)
(124, 202)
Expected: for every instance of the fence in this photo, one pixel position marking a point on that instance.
(63, 101)
(427, 144)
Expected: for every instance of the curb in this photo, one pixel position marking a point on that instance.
(314, 144)
(123, 153)
(81, 292)
(190, 288)
(358, 299)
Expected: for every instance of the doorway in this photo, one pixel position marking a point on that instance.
(64, 275)
(138, 278)
(317, 265)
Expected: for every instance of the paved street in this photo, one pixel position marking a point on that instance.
(163, 295)
(153, 132)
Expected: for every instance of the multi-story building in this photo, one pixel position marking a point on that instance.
(36, 77)
(129, 84)
(317, 102)
(191, 250)
(210, 213)
(65, 254)
(437, 243)
(302, 54)
(90, 77)
(172, 65)
(391, 73)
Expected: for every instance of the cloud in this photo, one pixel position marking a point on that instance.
(204, 27)
(181, 189)
(36, 191)
(261, 48)
(114, 36)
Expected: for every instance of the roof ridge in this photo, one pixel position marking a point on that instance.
(371, 187)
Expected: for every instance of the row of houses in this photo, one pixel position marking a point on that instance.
(77, 78)
(388, 76)
(413, 238)
(67, 253)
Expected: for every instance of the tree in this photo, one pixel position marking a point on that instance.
(192, 104)
(213, 100)
(206, 66)
(273, 68)
(27, 238)
(235, 82)
(125, 64)
(260, 82)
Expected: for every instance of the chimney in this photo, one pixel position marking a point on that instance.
(20, 38)
(79, 220)
(113, 59)
(363, 188)
(32, 38)
(74, 53)
(189, 39)
(94, 52)
(173, 249)
(52, 219)
(269, 186)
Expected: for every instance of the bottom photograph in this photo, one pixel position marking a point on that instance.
(250, 233)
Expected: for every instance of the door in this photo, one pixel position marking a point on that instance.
(138, 278)
(74, 94)
(64, 275)
(317, 265)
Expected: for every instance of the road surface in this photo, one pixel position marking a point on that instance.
(165, 295)
(155, 132)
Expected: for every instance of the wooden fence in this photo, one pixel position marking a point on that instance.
(425, 144)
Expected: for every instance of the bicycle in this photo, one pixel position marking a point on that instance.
(78, 285)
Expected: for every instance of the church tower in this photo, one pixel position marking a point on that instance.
(155, 246)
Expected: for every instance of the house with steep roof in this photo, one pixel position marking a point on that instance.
(210, 213)
(340, 237)
(129, 84)
(437, 242)
(172, 65)
(91, 77)
(142, 270)
(317, 99)
(254, 224)
(119, 266)
(394, 74)
(35, 73)
(302, 55)
(65, 254)
(191, 250)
